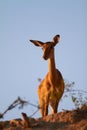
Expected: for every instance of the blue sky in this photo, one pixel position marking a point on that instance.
(21, 63)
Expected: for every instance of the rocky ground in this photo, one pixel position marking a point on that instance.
(66, 120)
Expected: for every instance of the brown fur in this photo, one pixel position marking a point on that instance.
(50, 94)
(51, 88)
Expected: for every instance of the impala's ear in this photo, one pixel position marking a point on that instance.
(56, 39)
(37, 43)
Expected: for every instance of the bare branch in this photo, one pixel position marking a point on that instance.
(15, 103)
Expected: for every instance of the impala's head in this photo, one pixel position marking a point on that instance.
(48, 47)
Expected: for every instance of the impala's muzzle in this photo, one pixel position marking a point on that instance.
(45, 57)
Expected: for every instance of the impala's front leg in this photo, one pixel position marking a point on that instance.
(44, 106)
(54, 106)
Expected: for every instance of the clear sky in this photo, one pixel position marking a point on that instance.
(21, 63)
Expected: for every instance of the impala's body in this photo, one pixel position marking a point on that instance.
(51, 88)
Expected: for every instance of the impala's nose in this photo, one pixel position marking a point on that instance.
(44, 57)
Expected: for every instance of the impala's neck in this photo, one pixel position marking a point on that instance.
(52, 68)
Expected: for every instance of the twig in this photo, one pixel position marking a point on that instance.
(34, 113)
(15, 103)
(73, 90)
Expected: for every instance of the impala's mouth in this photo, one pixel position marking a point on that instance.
(45, 58)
